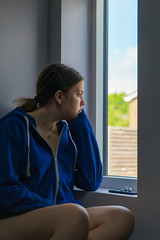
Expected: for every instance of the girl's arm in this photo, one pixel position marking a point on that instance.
(89, 166)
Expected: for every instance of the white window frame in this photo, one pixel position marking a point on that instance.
(101, 88)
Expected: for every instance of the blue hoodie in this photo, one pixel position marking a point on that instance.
(32, 176)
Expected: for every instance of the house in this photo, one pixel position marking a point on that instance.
(133, 111)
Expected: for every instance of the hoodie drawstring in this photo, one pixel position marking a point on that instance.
(75, 169)
(28, 146)
(76, 152)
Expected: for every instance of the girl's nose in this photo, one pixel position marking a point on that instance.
(83, 102)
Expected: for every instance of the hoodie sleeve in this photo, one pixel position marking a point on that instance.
(89, 174)
(15, 198)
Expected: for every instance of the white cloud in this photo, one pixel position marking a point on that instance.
(123, 71)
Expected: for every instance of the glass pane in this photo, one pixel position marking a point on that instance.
(122, 87)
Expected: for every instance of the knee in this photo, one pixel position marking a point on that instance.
(128, 217)
(125, 219)
(77, 220)
(74, 221)
(78, 215)
(119, 218)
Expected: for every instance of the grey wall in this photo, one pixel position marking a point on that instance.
(34, 34)
(76, 37)
(54, 31)
(18, 50)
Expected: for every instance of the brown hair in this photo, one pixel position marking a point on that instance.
(53, 78)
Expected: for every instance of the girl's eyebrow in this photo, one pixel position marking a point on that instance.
(80, 90)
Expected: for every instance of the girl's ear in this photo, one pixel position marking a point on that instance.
(59, 96)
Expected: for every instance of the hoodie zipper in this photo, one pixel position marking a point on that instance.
(55, 162)
(57, 178)
(56, 168)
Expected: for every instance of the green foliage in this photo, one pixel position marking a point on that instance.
(118, 110)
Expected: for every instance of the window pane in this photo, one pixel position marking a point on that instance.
(122, 87)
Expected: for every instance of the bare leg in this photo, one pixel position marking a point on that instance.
(110, 223)
(60, 222)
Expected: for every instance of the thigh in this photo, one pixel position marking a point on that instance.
(39, 224)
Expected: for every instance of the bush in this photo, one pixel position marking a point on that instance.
(118, 110)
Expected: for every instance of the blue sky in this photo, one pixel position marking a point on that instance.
(122, 46)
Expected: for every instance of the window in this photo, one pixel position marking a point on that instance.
(117, 46)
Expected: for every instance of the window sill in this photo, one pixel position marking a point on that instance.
(116, 182)
(106, 192)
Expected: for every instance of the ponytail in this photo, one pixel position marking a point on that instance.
(27, 104)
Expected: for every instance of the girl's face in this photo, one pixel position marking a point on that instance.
(73, 101)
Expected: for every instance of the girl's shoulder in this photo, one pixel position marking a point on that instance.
(14, 124)
(16, 117)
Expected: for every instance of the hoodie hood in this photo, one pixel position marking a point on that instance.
(18, 112)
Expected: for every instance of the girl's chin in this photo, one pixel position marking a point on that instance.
(74, 116)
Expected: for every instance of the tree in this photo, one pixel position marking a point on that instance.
(118, 110)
